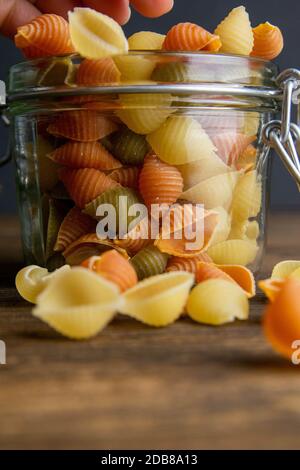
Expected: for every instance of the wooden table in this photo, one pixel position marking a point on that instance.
(187, 386)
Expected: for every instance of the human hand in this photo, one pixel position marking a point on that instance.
(14, 13)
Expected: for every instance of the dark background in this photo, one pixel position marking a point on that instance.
(284, 13)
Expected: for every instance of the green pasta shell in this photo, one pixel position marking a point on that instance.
(59, 72)
(57, 211)
(176, 72)
(112, 196)
(130, 148)
(149, 262)
(55, 261)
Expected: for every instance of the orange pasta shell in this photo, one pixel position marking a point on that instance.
(86, 184)
(127, 177)
(74, 225)
(84, 126)
(268, 41)
(231, 145)
(191, 37)
(159, 183)
(189, 265)
(97, 72)
(85, 155)
(136, 239)
(206, 271)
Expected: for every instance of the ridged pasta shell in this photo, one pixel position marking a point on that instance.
(144, 113)
(214, 192)
(216, 302)
(85, 155)
(241, 252)
(222, 230)
(48, 33)
(271, 287)
(78, 304)
(97, 72)
(181, 140)
(60, 72)
(74, 225)
(244, 230)
(130, 148)
(190, 265)
(55, 218)
(149, 262)
(247, 159)
(179, 72)
(196, 172)
(95, 35)
(146, 40)
(190, 37)
(159, 300)
(206, 271)
(235, 32)
(115, 268)
(48, 170)
(159, 183)
(134, 68)
(86, 184)
(83, 126)
(242, 276)
(231, 145)
(137, 239)
(247, 197)
(128, 177)
(284, 269)
(268, 41)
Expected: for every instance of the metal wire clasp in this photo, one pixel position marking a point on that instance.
(284, 135)
(6, 157)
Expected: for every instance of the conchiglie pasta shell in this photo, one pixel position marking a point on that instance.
(181, 140)
(61, 71)
(222, 230)
(213, 192)
(242, 276)
(216, 302)
(268, 41)
(284, 269)
(48, 170)
(159, 300)
(189, 265)
(144, 113)
(127, 177)
(74, 225)
(196, 172)
(97, 72)
(95, 35)
(244, 230)
(78, 304)
(134, 68)
(137, 239)
(146, 40)
(190, 37)
(235, 32)
(241, 252)
(247, 197)
(83, 126)
(130, 148)
(206, 271)
(231, 145)
(85, 155)
(149, 262)
(271, 287)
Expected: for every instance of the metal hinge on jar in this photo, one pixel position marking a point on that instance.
(284, 136)
(6, 157)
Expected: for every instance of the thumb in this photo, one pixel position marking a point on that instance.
(14, 13)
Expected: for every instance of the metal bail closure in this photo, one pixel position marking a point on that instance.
(6, 157)
(284, 135)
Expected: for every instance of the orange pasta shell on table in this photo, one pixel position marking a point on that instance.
(115, 268)
(282, 319)
(47, 33)
(84, 126)
(231, 145)
(159, 183)
(74, 225)
(85, 155)
(271, 287)
(268, 41)
(190, 37)
(127, 177)
(96, 72)
(190, 265)
(86, 184)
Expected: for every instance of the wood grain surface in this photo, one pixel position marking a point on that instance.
(133, 387)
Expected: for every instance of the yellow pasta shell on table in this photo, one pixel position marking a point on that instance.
(78, 304)
(95, 35)
(217, 302)
(32, 280)
(181, 140)
(241, 252)
(144, 113)
(196, 172)
(134, 68)
(146, 41)
(159, 300)
(213, 192)
(236, 33)
(285, 268)
(247, 197)
(222, 230)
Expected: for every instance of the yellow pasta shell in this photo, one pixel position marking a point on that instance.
(247, 197)
(216, 302)
(181, 140)
(213, 192)
(223, 227)
(236, 33)
(241, 252)
(244, 230)
(285, 268)
(144, 113)
(146, 41)
(134, 68)
(95, 35)
(251, 123)
(196, 172)
(159, 300)
(78, 304)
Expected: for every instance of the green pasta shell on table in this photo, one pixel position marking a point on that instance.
(149, 262)
(130, 148)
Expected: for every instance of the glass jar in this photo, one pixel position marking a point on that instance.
(176, 128)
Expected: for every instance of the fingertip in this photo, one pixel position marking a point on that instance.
(153, 8)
